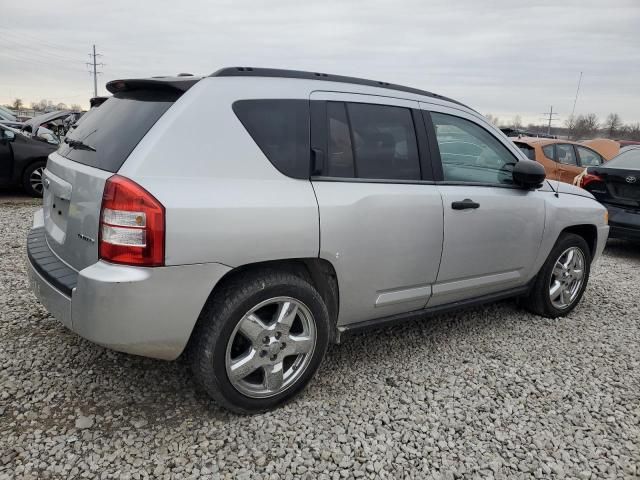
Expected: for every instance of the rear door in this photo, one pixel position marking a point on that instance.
(492, 229)
(92, 152)
(567, 160)
(380, 214)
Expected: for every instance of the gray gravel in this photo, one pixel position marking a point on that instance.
(490, 393)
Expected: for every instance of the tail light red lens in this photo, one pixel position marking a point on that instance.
(588, 178)
(132, 225)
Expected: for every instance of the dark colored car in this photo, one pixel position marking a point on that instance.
(22, 160)
(616, 184)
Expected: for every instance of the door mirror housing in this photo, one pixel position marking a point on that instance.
(7, 135)
(528, 174)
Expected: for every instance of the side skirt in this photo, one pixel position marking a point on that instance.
(430, 312)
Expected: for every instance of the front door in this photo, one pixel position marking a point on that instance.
(6, 156)
(380, 221)
(492, 230)
(567, 162)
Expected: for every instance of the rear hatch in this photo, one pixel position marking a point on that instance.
(95, 149)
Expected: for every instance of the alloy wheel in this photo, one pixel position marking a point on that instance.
(567, 278)
(35, 180)
(270, 347)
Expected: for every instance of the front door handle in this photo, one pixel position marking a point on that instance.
(465, 204)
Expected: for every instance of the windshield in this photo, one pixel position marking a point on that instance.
(629, 160)
(106, 135)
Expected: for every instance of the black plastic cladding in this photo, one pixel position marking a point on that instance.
(281, 73)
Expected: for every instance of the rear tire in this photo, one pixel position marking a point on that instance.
(257, 323)
(32, 178)
(559, 286)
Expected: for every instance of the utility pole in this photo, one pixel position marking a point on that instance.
(550, 113)
(94, 65)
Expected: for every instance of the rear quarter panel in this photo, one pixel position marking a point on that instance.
(225, 202)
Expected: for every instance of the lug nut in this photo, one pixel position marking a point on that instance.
(278, 334)
(273, 358)
(283, 346)
(265, 340)
(263, 353)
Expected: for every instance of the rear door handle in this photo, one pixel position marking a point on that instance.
(465, 204)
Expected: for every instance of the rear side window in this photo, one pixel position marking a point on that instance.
(372, 141)
(528, 150)
(106, 135)
(281, 129)
(588, 158)
(565, 154)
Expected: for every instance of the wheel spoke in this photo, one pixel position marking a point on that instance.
(298, 345)
(252, 327)
(245, 365)
(286, 314)
(569, 259)
(555, 290)
(577, 273)
(558, 269)
(273, 376)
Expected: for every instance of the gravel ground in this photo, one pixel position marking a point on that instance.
(489, 393)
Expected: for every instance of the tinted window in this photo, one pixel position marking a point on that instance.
(281, 129)
(629, 159)
(111, 131)
(565, 154)
(528, 150)
(384, 142)
(340, 162)
(470, 153)
(549, 152)
(588, 158)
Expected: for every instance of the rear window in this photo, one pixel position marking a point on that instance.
(107, 134)
(281, 129)
(528, 150)
(629, 159)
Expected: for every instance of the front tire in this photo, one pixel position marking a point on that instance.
(32, 178)
(561, 282)
(259, 340)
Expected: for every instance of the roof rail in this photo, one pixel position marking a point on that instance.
(282, 73)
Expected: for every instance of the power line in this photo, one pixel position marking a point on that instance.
(94, 56)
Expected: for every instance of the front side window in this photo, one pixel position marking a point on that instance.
(469, 153)
(528, 150)
(281, 129)
(589, 158)
(565, 154)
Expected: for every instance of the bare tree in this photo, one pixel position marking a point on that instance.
(517, 122)
(61, 106)
(613, 124)
(492, 119)
(17, 104)
(76, 108)
(570, 124)
(586, 126)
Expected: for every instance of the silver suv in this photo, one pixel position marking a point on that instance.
(252, 217)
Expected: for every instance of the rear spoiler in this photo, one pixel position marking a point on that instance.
(176, 84)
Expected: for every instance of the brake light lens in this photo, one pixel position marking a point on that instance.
(132, 225)
(588, 178)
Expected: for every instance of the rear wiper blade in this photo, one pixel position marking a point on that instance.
(77, 144)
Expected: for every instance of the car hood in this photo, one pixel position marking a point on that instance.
(568, 189)
(35, 122)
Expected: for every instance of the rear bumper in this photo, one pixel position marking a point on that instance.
(143, 311)
(624, 223)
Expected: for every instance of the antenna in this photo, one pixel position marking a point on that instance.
(573, 110)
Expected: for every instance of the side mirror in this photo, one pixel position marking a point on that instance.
(528, 174)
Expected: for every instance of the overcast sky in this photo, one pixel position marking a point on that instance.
(499, 57)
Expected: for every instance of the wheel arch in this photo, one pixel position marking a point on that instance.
(588, 232)
(317, 271)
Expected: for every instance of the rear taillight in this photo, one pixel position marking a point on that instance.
(131, 225)
(588, 178)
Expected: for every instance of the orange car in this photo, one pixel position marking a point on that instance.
(562, 160)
